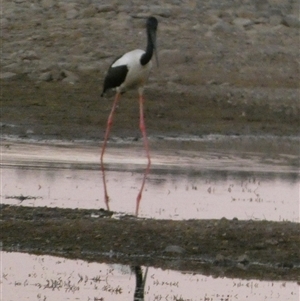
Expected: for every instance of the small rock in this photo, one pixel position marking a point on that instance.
(223, 221)
(211, 83)
(226, 16)
(90, 66)
(272, 242)
(291, 21)
(29, 132)
(89, 12)
(47, 3)
(242, 22)
(93, 215)
(160, 11)
(104, 8)
(7, 75)
(221, 260)
(72, 14)
(70, 77)
(12, 67)
(46, 76)
(57, 74)
(170, 57)
(174, 249)
(244, 259)
(241, 266)
(142, 15)
(29, 55)
(126, 8)
(275, 20)
(221, 27)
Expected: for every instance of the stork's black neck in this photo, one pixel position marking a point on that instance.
(146, 57)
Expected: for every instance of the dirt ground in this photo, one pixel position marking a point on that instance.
(230, 68)
(56, 110)
(232, 248)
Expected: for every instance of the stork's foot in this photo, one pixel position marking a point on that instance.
(138, 200)
(106, 200)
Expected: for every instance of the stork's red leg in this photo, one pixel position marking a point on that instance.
(108, 127)
(143, 130)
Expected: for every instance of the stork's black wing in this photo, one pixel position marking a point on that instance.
(115, 77)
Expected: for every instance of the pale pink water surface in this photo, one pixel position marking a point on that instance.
(43, 278)
(182, 184)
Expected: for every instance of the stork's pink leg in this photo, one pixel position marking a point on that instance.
(108, 127)
(143, 130)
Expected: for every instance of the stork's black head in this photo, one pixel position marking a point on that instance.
(152, 23)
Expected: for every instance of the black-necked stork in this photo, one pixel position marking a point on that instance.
(130, 71)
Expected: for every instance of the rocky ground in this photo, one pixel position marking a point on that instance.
(232, 248)
(225, 67)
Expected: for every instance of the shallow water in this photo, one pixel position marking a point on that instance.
(183, 183)
(201, 180)
(30, 277)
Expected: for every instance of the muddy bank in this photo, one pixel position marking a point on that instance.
(232, 248)
(55, 110)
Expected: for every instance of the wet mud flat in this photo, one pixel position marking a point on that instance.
(58, 111)
(232, 248)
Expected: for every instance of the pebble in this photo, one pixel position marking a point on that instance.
(160, 11)
(89, 66)
(7, 75)
(29, 55)
(172, 57)
(47, 3)
(222, 27)
(221, 260)
(104, 8)
(174, 249)
(291, 21)
(243, 259)
(275, 20)
(72, 14)
(242, 22)
(70, 77)
(46, 76)
(89, 12)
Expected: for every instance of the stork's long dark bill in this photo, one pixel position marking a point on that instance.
(156, 57)
(153, 38)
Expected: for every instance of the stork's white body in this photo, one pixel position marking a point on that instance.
(137, 74)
